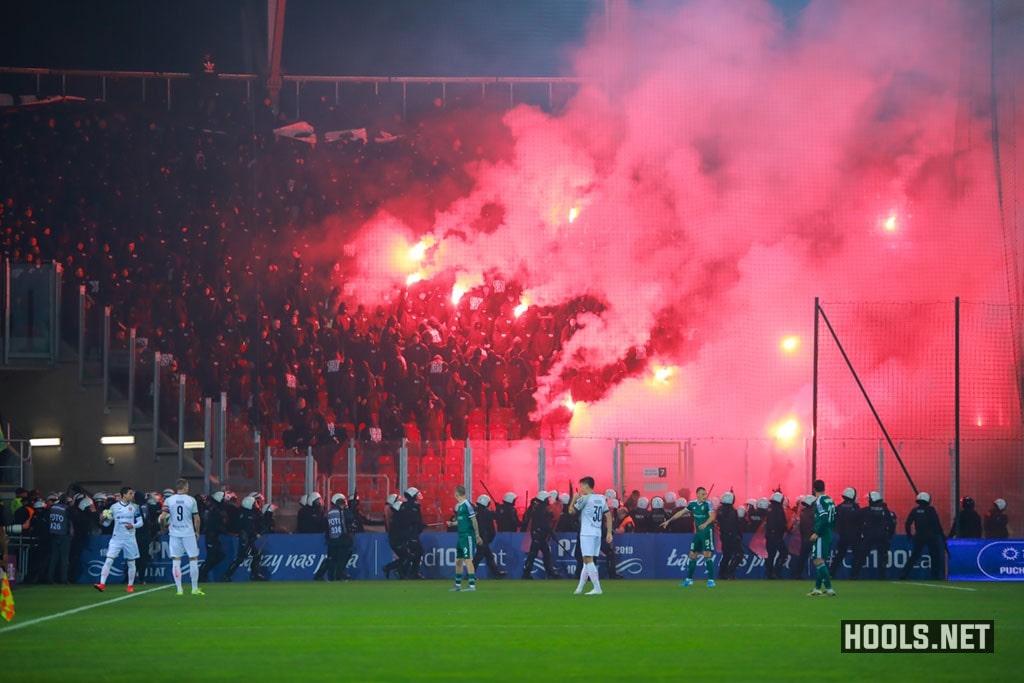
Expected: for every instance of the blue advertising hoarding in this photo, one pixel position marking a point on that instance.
(977, 559)
(295, 557)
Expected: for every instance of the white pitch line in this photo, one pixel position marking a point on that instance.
(58, 615)
(933, 585)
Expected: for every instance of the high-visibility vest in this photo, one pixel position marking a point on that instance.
(627, 520)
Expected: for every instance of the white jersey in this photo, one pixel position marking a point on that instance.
(125, 513)
(592, 508)
(181, 507)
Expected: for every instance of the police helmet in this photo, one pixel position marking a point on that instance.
(967, 503)
(670, 498)
(338, 498)
(657, 503)
(924, 497)
(218, 497)
(741, 512)
(777, 497)
(168, 492)
(483, 500)
(610, 493)
(542, 496)
(396, 505)
(762, 503)
(85, 503)
(680, 502)
(510, 497)
(392, 497)
(270, 509)
(248, 502)
(314, 499)
(553, 494)
(304, 499)
(752, 502)
(728, 498)
(642, 502)
(412, 493)
(39, 504)
(563, 498)
(808, 500)
(1000, 503)
(613, 504)
(100, 497)
(850, 493)
(874, 497)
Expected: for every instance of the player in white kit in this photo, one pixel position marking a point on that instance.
(126, 518)
(592, 509)
(181, 515)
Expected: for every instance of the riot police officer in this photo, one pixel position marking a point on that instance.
(805, 517)
(775, 526)
(731, 533)
(60, 541)
(847, 527)
(249, 523)
(757, 513)
(642, 516)
(927, 533)
(310, 518)
(877, 527)
(340, 540)
(486, 522)
(506, 516)
(997, 524)
(538, 521)
(214, 526)
(407, 525)
(967, 523)
(658, 514)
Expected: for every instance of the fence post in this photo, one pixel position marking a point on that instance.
(351, 466)
(222, 437)
(257, 472)
(81, 335)
(156, 404)
(106, 360)
(881, 468)
(181, 424)
(403, 466)
(467, 465)
(207, 437)
(131, 379)
(270, 475)
(310, 484)
(542, 475)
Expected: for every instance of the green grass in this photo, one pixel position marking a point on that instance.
(506, 631)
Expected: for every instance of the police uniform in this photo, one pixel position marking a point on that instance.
(775, 527)
(486, 522)
(249, 527)
(927, 533)
(538, 520)
(340, 540)
(847, 529)
(506, 517)
(60, 542)
(731, 534)
(997, 524)
(877, 527)
(214, 526)
(967, 523)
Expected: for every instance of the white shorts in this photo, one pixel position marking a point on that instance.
(126, 545)
(590, 546)
(183, 546)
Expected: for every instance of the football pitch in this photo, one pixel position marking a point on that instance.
(505, 631)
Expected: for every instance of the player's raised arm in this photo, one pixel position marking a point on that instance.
(681, 513)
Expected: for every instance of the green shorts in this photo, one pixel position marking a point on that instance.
(703, 541)
(465, 547)
(822, 548)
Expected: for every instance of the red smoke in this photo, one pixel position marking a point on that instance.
(726, 167)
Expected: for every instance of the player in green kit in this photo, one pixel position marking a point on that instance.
(469, 536)
(824, 522)
(704, 539)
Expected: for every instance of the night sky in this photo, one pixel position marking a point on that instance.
(325, 37)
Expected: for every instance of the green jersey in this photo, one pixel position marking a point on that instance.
(824, 515)
(465, 513)
(701, 512)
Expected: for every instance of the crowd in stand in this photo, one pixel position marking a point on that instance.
(196, 237)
